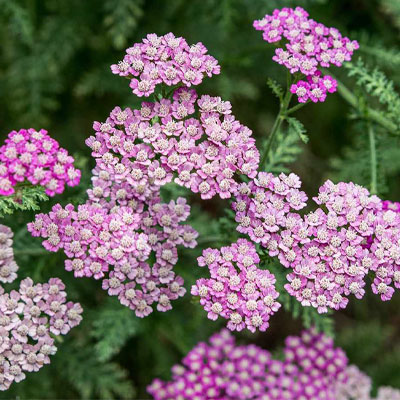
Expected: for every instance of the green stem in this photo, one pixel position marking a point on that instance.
(373, 115)
(30, 252)
(297, 107)
(372, 147)
(277, 124)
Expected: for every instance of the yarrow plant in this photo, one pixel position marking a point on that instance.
(312, 368)
(306, 46)
(36, 157)
(126, 234)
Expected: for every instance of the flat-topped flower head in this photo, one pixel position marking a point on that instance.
(329, 251)
(167, 60)
(132, 248)
(238, 290)
(162, 142)
(306, 46)
(35, 156)
(30, 319)
(312, 368)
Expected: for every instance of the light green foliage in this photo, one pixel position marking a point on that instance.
(24, 198)
(376, 84)
(296, 126)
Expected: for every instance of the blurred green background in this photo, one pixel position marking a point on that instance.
(54, 74)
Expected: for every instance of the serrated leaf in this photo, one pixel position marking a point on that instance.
(276, 88)
(24, 198)
(298, 127)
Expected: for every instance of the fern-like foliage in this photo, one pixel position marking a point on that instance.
(276, 88)
(121, 19)
(24, 198)
(286, 148)
(113, 326)
(376, 84)
(386, 57)
(93, 379)
(355, 162)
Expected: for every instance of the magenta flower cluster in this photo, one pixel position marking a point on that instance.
(8, 267)
(30, 318)
(312, 368)
(237, 290)
(167, 60)
(308, 45)
(35, 156)
(161, 142)
(326, 249)
(95, 239)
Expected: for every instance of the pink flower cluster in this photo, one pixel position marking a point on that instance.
(326, 249)
(308, 46)
(332, 263)
(96, 238)
(264, 204)
(35, 156)
(237, 290)
(384, 252)
(315, 88)
(168, 60)
(8, 267)
(29, 320)
(357, 386)
(136, 150)
(221, 370)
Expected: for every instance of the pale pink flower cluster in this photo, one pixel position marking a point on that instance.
(30, 318)
(238, 290)
(147, 148)
(264, 204)
(312, 369)
(384, 252)
(357, 386)
(167, 60)
(35, 156)
(307, 46)
(331, 250)
(115, 245)
(8, 267)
